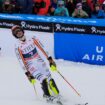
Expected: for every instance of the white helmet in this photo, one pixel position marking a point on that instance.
(14, 30)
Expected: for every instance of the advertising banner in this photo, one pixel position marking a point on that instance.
(27, 25)
(80, 43)
(80, 40)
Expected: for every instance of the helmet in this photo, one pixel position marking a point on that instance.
(14, 28)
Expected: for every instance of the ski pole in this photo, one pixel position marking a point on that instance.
(33, 80)
(57, 70)
(69, 83)
(35, 89)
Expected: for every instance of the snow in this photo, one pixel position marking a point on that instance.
(88, 80)
(15, 89)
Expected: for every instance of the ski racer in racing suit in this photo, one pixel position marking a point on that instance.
(31, 55)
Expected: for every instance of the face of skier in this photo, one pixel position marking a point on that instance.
(23, 38)
(20, 34)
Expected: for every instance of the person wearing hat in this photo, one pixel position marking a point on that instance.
(79, 12)
(61, 10)
(98, 12)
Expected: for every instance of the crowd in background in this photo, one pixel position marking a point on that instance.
(67, 8)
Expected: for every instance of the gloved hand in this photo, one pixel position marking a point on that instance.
(33, 81)
(30, 77)
(52, 64)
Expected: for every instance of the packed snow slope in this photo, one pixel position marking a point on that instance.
(88, 80)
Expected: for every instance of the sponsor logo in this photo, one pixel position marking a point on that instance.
(98, 56)
(28, 25)
(70, 28)
(97, 31)
(58, 27)
(6, 24)
(93, 29)
(80, 29)
(23, 24)
(36, 26)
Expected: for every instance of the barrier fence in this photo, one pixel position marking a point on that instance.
(80, 40)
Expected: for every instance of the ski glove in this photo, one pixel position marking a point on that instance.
(52, 64)
(30, 77)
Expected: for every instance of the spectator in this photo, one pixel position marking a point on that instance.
(41, 7)
(54, 3)
(61, 10)
(98, 13)
(103, 6)
(52, 7)
(100, 1)
(70, 6)
(16, 7)
(1, 3)
(79, 12)
(86, 8)
(8, 7)
(25, 6)
(91, 3)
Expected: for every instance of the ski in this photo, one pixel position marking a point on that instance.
(59, 103)
(83, 104)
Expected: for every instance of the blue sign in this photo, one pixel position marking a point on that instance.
(80, 48)
(54, 19)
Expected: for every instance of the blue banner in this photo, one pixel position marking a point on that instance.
(80, 48)
(54, 19)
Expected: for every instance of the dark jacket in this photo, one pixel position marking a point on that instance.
(98, 14)
(1, 1)
(25, 6)
(41, 7)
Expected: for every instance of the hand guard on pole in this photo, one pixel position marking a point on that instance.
(52, 64)
(30, 77)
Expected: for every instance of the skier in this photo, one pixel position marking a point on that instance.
(31, 55)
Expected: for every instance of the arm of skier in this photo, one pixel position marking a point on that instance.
(23, 65)
(49, 58)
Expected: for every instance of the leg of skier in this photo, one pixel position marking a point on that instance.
(53, 89)
(51, 85)
(43, 75)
